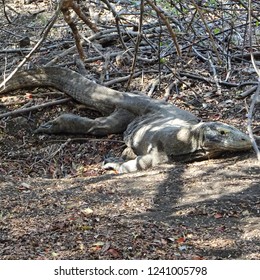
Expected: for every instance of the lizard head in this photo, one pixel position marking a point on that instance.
(216, 137)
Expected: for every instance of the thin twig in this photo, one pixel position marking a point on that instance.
(27, 57)
(166, 21)
(256, 95)
(6, 16)
(207, 29)
(249, 120)
(62, 146)
(103, 56)
(169, 89)
(117, 19)
(215, 76)
(201, 78)
(138, 40)
(33, 108)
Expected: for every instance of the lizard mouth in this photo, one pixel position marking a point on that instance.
(241, 143)
(219, 137)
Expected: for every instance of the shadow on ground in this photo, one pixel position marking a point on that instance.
(204, 210)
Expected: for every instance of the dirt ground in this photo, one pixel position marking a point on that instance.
(56, 202)
(204, 210)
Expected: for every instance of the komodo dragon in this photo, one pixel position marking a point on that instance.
(154, 131)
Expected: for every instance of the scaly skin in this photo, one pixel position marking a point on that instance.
(154, 131)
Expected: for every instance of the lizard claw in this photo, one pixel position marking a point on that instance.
(43, 128)
(111, 166)
(112, 163)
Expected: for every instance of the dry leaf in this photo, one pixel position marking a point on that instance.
(180, 240)
(87, 211)
(114, 252)
(218, 216)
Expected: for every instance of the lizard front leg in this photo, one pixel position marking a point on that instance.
(139, 163)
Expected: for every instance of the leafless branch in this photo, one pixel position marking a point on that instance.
(166, 21)
(256, 94)
(34, 108)
(38, 44)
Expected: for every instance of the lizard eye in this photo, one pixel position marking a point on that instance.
(223, 132)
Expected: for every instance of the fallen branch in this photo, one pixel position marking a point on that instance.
(247, 92)
(33, 108)
(246, 56)
(79, 139)
(210, 81)
(121, 79)
(26, 50)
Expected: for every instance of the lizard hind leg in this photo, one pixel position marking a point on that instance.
(66, 123)
(117, 122)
